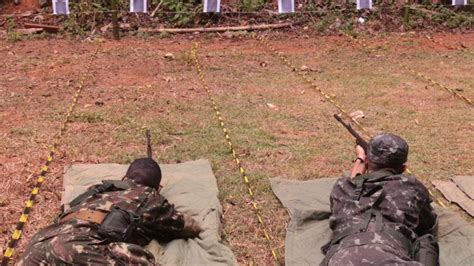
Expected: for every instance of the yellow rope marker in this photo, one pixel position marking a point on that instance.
(429, 185)
(9, 252)
(16, 234)
(428, 79)
(447, 45)
(29, 204)
(44, 169)
(23, 218)
(416, 73)
(305, 78)
(234, 153)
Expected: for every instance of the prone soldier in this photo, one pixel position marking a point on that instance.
(379, 215)
(111, 222)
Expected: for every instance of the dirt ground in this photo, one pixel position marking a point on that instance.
(279, 125)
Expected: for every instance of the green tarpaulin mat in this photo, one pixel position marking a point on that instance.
(191, 187)
(307, 203)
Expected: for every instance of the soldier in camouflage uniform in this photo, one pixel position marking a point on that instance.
(381, 216)
(111, 222)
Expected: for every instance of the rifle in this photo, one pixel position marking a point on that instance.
(359, 140)
(148, 144)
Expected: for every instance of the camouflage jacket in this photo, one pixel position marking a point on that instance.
(157, 218)
(405, 208)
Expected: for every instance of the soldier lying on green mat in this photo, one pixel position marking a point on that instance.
(111, 222)
(381, 217)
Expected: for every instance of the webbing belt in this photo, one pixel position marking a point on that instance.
(86, 215)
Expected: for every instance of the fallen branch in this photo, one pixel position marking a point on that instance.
(156, 9)
(47, 28)
(217, 29)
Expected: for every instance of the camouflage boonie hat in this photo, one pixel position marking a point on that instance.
(388, 150)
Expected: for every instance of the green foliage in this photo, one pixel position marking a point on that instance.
(12, 35)
(72, 26)
(323, 24)
(348, 28)
(251, 5)
(85, 15)
(185, 11)
(450, 18)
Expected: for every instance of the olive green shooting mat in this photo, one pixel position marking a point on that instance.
(459, 190)
(307, 203)
(191, 187)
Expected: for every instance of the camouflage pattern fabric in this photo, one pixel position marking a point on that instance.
(406, 209)
(77, 241)
(387, 149)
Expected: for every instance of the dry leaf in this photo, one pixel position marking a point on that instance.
(357, 115)
(272, 106)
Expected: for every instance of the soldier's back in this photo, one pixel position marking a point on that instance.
(363, 234)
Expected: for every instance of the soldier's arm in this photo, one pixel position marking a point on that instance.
(159, 218)
(360, 163)
(428, 219)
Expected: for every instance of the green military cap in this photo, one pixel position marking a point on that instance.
(387, 149)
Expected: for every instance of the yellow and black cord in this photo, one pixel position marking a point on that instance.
(313, 85)
(236, 157)
(44, 169)
(435, 41)
(416, 73)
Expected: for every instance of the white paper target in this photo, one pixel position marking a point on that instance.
(61, 7)
(212, 6)
(364, 4)
(286, 6)
(138, 6)
(459, 2)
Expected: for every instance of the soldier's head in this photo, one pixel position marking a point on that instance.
(387, 151)
(145, 171)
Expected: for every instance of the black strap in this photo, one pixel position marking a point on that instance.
(379, 200)
(106, 186)
(359, 187)
(374, 211)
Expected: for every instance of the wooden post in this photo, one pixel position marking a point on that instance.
(406, 15)
(115, 25)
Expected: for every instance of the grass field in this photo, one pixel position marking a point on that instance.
(279, 125)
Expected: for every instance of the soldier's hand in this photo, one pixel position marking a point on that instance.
(191, 227)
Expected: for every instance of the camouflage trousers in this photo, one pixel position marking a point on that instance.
(84, 250)
(368, 254)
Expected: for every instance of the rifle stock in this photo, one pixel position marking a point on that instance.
(359, 140)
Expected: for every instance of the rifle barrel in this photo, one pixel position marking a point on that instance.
(148, 144)
(359, 140)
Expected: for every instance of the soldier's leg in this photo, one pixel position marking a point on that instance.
(35, 254)
(68, 249)
(64, 249)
